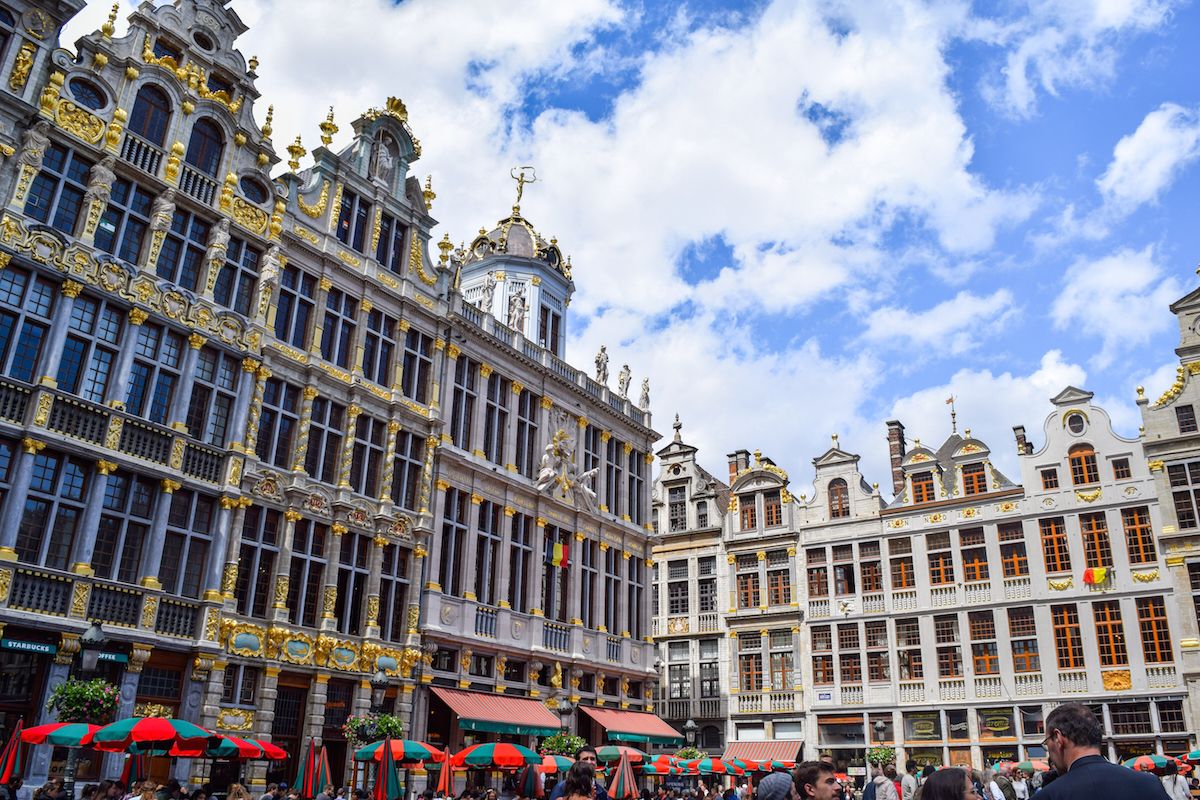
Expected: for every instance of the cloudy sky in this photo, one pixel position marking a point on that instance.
(804, 218)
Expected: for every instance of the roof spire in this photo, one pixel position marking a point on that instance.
(678, 426)
(953, 415)
(521, 181)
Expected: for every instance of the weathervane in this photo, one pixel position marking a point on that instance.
(522, 180)
(953, 416)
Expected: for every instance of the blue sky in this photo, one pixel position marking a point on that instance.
(802, 219)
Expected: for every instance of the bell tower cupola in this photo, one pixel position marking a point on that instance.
(515, 275)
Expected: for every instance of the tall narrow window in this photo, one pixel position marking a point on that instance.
(56, 194)
(1097, 550)
(1185, 417)
(1156, 636)
(1138, 535)
(779, 587)
(555, 571)
(406, 476)
(389, 252)
(1068, 641)
(124, 524)
(235, 282)
(1054, 544)
(310, 560)
(1022, 631)
(122, 228)
(1012, 550)
(495, 417)
(974, 479)
(213, 392)
(818, 582)
(983, 643)
(527, 428)
(922, 487)
(635, 495)
(337, 337)
(296, 300)
(636, 588)
(90, 350)
(205, 147)
(772, 509)
(839, 499)
(462, 404)
(278, 422)
(256, 560)
(182, 258)
(487, 552)
(590, 571)
(748, 590)
(324, 440)
(614, 474)
(154, 377)
(677, 508)
(454, 539)
(549, 329)
(520, 562)
(393, 593)
(189, 536)
(353, 577)
(53, 510)
(1110, 634)
(26, 306)
(354, 220)
(748, 506)
(379, 347)
(612, 589)
(151, 115)
(370, 434)
(1083, 465)
(418, 365)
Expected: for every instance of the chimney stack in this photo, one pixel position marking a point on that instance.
(738, 461)
(1024, 448)
(896, 450)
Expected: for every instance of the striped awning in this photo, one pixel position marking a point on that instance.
(497, 713)
(633, 726)
(767, 750)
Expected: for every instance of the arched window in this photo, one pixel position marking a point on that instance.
(151, 115)
(1083, 465)
(839, 499)
(205, 147)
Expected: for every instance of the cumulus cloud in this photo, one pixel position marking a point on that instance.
(1147, 161)
(1119, 298)
(951, 327)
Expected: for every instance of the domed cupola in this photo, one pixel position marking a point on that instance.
(524, 281)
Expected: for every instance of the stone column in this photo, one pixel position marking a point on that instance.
(187, 373)
(733, 598)
(53, 348)
(504, 568)
(347, 457)
(329, 591)
(477, 422)
(431, 445)
(14, 507)
(447, 389)
(85, 542)
(539, 567)
(389, 463)
(248, 405)
(229, 575)
(212, 683)
(319, 302)
(471, 546)
(264, 719)
(214, 567)
(402, 327)
(152, 550)
(575, 580)
(283, 566)
(114, 762)
(306, 405)
(39, 760)
(375, 565)
(314, 717)
(118, 388)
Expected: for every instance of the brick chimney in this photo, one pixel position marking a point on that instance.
(896, 450)
(738, 461)
(1024, 448)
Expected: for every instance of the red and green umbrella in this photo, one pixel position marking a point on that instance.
(1191, 758)
(771, 766)
(60, 734)
(1150, 763)
(233, 747)
(314, 771)
(136, 770)
(153, 734)
(387, 777)
(744, 764)
(552, 763)
(12, 758)
(406, 751)
(1036, 765)
(658, 768)
(529, 782)
(613, 752)
(270, 752)
(715, 766)
(623, 785)
(498, 755)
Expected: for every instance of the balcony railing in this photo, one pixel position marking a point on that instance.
(874, 604)
(115, 605)
(852, 695)
(704, 708)
(1162, 677)
(1073, 682)
(783, 701)
(198, 185)
(952, 689)
(1017, 588)
(943, 596)
(40, 591)
(978, 592)
(485, 622)
(750, 703)
(818, 609)
(612, 650)
(905, 600)
(1028, 683)
(988, 686)
(141, 154)
(202, 462)
(177, 618)
(145, 441)
(556, 637)
(13, 402)
(709, 623)
(912, 692)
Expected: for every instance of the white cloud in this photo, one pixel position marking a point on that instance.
(1119, 298)
(1146, 161)
(953, 326)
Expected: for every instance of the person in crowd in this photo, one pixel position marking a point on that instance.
(325, 794)
(909, 782)
(1073, 736)
(1020, 784)
(585, 755)
(776, 786)
(1175, 784)
(580, 782)
(868, 792)
(885, 784)
(952, 783)
(816, 780)
(237, 792)
(199, 794)
(272, 792)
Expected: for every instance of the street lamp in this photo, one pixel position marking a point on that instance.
(880, 727)
(379, 686)
(92, 641)
(565, 710)
(689, 732)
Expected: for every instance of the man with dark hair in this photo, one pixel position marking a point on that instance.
(1073, 738)
(816, 779)
(586, 754)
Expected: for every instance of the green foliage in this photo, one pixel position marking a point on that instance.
(689, 753)
(561, 744)
(92, 701)
(372, 728)
(882, 755)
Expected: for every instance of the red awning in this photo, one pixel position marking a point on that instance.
(479, 711)
(768, 750)
(633, 726)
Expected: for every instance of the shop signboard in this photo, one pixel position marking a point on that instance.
(923, 726)
(996, 723)
(40, 648)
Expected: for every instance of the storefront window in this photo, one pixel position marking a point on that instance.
(923, 726)
(1134, 748)
(996, 723)
(841, 732)
(994, 755)
(1032, 723)
(956, 720)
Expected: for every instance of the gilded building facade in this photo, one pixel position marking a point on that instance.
(273, 437)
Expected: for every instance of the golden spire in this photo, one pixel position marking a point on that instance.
(253, 63)
(445, 245)
(428, 193)
(266, 128)
(328, 128)
(110, 27)
(296, 151)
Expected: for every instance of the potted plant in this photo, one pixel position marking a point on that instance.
(561, 744)
(689, 753)
(881, 755)
(93, 701)
(368, 728)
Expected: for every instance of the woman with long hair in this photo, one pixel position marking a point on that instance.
(580, 783)
(951, 783)
(237, 792)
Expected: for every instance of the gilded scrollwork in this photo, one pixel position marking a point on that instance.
(22, 66)
(250, 217)
(315, 210)
(78, 122)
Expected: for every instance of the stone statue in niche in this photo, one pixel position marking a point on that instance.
(516, 309)
(384, 157)
(489, 293)
(218, 241)
(602, 365)
(623, 379)
(100, 180)
(163, 211)
(34, 144)
(272, 262)
(644, 401)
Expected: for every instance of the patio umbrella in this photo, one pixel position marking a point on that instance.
(407, 751)
(553, 763)
(613, 752)
(232, 747)
(60, 734)
(771, 766)
(744, 764)
(152, 734)
(529, 782)
(715, 766)
(1191, 758)
(314, 771)
(135, 771)
(12, 758)
(1149, 763)
(623, 785)
(271, 752)
(499, 755)
(1036, 765)
(657, 768)
(387, 777)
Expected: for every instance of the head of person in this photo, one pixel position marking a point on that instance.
(587, 754)
(816, 779)
(237, 792)
(1170, 769)
(890, 771)
(199, 795)
(910, 767)
(581, 779)
(775, 786)
(927, 770)
(952, 783)
(1072, 731)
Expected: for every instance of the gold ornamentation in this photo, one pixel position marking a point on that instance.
(42, 416)
(229, 578)
(416, 262)
(174, 160)
(1145, 577)
(1117, 680)
(48, 100)
(112, 135)
(32, 446)
(1061, 586)
(276, 224)
(1156, 465)
(315, 210)
(1088, 497)
(78, 122)
(897, 523)
(235, 719)
(22, 66)
(328, 128)
(969, 513)
(250, 217)
(149, 611)
(296, 151)
(427, 194)
(79, 598)
(372, 610)
(281, 591)
(330, 601)
(349, 259)
(335, 210)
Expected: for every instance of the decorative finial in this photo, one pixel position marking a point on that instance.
(428, 193)
(757, 457)
(266, 128)
(835, 439)
(110, 26)
(678, 426)
(445, 245)
(328, 128)
(967, 432)
(296, 151)
(875, 485)
(953, 416)
(1141, 391)
(916, 442)
(254, 63)
(521, 181)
